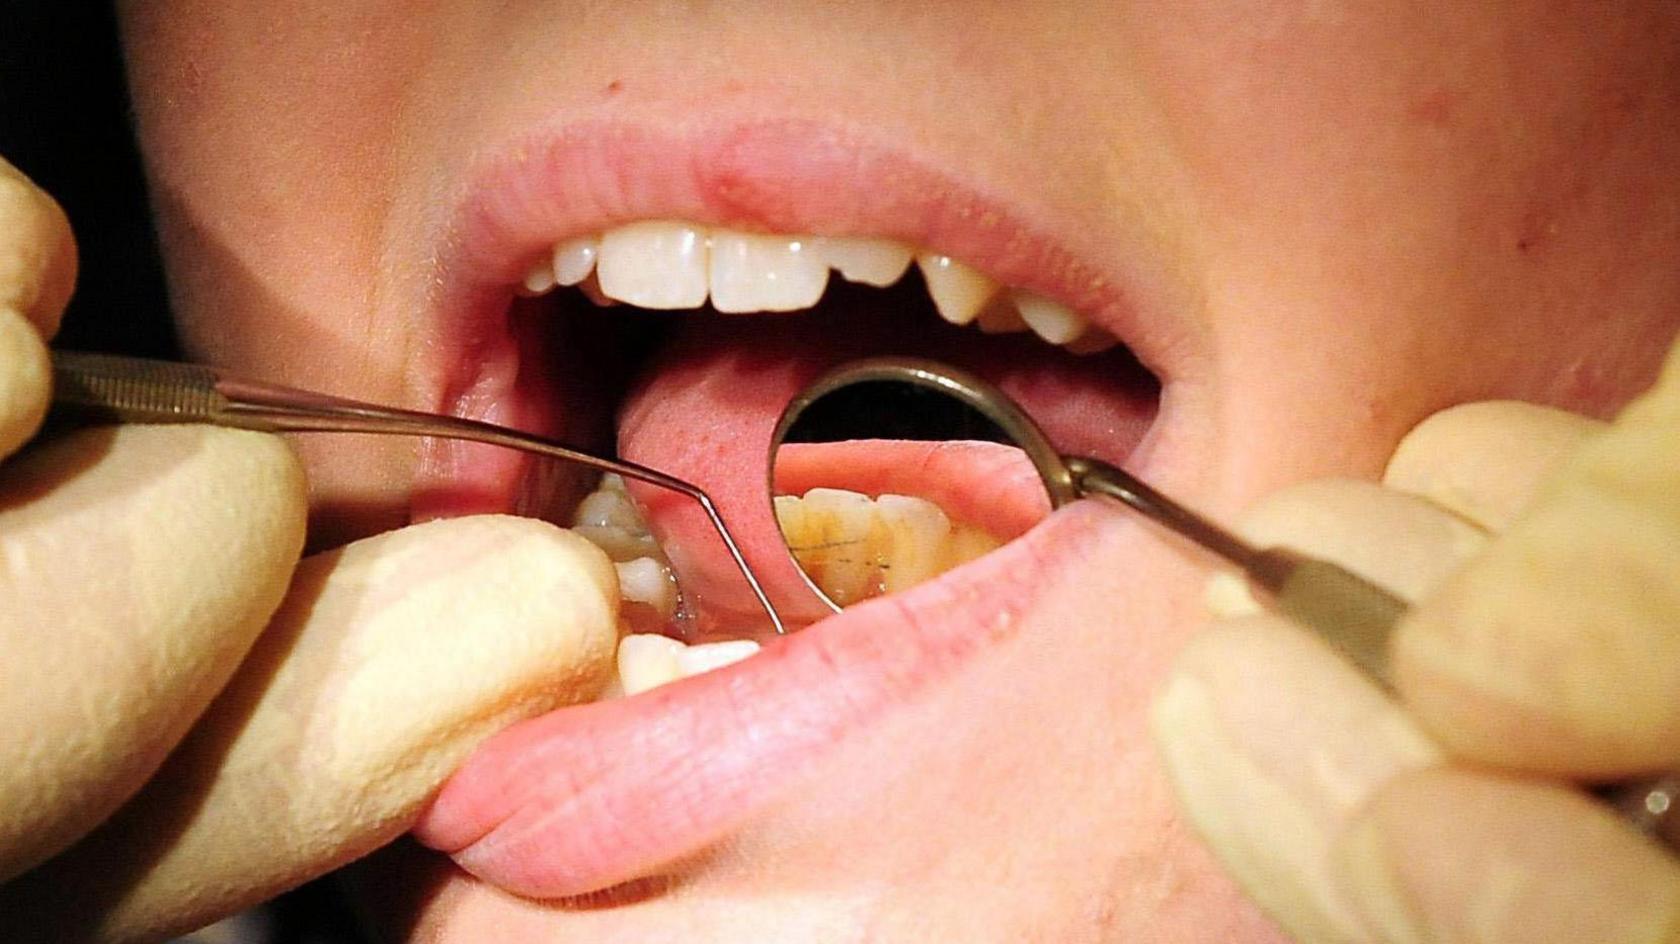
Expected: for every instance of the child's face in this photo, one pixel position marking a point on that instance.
(1315, 223)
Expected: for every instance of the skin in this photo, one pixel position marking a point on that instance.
(1359, 216)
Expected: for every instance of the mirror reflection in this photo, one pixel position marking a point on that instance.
(879, 485)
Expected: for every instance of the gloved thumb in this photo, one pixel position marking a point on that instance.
(1557, 650)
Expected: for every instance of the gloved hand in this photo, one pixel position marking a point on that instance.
(1543, 551)
(138, 569)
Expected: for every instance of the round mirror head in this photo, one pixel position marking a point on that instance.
(890, 471)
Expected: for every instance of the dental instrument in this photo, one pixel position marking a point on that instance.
(104, 388)
(1352, 614)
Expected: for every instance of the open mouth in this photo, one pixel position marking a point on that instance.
(625, 325)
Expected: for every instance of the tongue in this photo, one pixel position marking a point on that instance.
(706, 406)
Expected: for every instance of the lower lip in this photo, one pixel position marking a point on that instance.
(592, 796)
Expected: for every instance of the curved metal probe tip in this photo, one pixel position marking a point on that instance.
(106, 388)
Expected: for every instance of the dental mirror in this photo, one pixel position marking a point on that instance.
(889, 471)
(867, 460)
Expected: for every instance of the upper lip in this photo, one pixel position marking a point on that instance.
(590, 796)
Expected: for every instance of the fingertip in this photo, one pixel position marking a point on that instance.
(1449, 855)
(25, 381)
(38, 258)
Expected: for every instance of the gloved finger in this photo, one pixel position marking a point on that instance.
(1485, 460)
(1401, 541)
(1558, 650)
(25, 381)
(1271, 740)
(1446, 856)
(37, 252)
(389, 661)
(136, 567)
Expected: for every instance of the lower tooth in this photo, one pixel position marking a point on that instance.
(647, 661)
(854, 547)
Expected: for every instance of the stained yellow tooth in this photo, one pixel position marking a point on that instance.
(958, 292)
(1000, 316)
(855, 548)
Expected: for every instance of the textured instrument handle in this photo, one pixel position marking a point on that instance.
(106, 388)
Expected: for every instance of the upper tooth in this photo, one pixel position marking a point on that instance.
(574, 259)
(958, 291)
(540, 279)
(752, 272)
(1053, 322)
(877, 262)
(1000, 316)
(655, 264)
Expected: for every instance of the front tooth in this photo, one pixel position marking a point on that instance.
(1094, 341)
(958, 291)
(654, 264)
(646, 661)
(574, 259)
(877, 262)
(754, 272)
(707, 656)
(1051, 321)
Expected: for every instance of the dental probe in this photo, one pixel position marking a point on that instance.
(105, 388)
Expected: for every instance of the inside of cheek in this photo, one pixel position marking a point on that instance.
(582, 367)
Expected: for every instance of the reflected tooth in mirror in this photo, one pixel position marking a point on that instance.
(539, 280)
(877, 262)
(828, 531)
(1052, 321)
(647, 661)
(854, 547)
(959, 292)
(916, 531)
(574, 259)
(756, 272)
(656, 264)
(706, 656)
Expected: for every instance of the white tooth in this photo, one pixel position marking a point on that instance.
(539, 280)
(714, 655)
(647, 581)
(877, 262)
(1093, 341)
(574, 259)
(655, 264)
(754, 272)
(609, 507)
(958, 291)
(1050, 320)
(648, 661)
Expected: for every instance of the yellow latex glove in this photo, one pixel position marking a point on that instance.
(1543, 551)
(164, 760)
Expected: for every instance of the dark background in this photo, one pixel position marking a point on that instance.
(64, 122)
